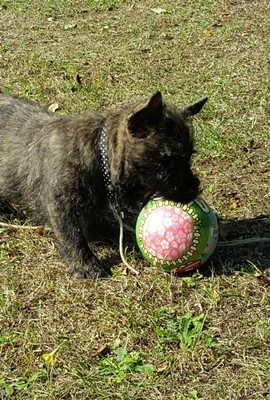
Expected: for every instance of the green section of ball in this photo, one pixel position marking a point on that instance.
(200, 243)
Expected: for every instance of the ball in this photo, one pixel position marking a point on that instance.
(176, 237)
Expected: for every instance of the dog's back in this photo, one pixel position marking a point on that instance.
(16, 115)
(20, 122)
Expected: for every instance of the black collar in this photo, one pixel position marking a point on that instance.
(105, 168)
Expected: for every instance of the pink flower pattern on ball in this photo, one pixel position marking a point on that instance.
(168, 232)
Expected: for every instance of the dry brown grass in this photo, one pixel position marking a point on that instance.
(123, 49)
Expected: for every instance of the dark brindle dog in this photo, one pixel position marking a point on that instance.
(61, 170)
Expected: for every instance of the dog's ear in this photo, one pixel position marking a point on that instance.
(146, 117)
(196, 107)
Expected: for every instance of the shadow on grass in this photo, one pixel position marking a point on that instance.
(244, 246)
(249, 250)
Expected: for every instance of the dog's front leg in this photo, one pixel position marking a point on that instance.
(73, 246)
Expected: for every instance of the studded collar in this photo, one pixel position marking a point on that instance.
(105, 168)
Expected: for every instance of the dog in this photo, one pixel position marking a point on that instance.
(69, 171)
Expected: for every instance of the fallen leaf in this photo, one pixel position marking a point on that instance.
(267, 272)
(53, 107)
(70, 26)
(264, 277)
(78, 79)
(40, 230)
(125, 271)
(167, 36)
(252, 145)
(103, 350)
(145, 50)
(233, 205)
(216, 294)
(217, 24)
(207, 33)
(234, 201)
(110, 80)
(162, 368)
(158, 10)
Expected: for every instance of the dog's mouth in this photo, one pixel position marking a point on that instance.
(176, 195)
(148, 196)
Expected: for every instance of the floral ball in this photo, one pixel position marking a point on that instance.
(175, 236)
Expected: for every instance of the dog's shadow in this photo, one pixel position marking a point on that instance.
(244, 245)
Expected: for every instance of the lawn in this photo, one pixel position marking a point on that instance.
(202, 336)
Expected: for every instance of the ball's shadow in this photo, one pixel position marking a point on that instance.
(251, 249)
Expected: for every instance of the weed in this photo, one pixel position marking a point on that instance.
(193, 395)
(187, 330)
(8, 338)
(105, 3)
(21, 383)
(190, 281)
(120, 362)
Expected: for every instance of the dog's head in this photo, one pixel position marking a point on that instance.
(156, 150)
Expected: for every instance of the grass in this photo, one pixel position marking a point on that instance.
(199, 337)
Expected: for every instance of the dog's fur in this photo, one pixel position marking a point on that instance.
(50, 166)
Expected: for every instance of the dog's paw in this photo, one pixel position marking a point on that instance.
(88, 271)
